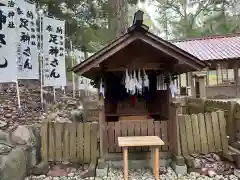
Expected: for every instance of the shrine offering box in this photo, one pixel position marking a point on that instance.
(132, 118)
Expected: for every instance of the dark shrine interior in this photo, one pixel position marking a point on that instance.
(118, 102)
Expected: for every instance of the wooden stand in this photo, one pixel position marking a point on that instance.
(153, 141)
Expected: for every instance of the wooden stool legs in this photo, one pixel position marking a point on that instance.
(125, 163)
(155, 162)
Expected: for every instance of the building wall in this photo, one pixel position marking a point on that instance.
(221, 91)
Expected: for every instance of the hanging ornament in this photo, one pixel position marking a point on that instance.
(161, 85)
(127, 80)
(145, 80)
(140, 83)
(101, 89)
(134, 82)
(172, 87)
(131, 86)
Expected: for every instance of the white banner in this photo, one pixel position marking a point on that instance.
(8, 45)
(54, 52)
(27, 51)
(4, 2)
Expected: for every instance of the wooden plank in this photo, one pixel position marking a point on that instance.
(164, 132)
(117, 134)
(132, 141)
(210, 136)
(150, 130)
(111, 137)
(44, 141)
(102, 135)
(87, 146)
(137, 132)
(231, 122)
(73, 142)
(51, 149)
(203, 133)
(236, 129)
(80, 143)
(130, 126)
(196, 133)
(94, 150)
(222, 125)
(66, 143)
(189, 134)
(144, 133)
(157, 130)
(216, 132)
(150, 126)
(124, 128)
(182, 132)
(59, 141)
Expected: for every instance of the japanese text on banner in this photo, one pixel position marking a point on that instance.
(27, 61)
(54, 52)
(8, 44)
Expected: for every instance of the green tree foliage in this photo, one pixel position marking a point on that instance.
(185, 19)
(85, 20)
(90, 24)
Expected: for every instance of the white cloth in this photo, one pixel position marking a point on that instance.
(173, 89)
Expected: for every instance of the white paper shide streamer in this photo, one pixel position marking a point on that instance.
(136, 81)
(101, 89)
(54, 52)
(27, 51)
(161, 85)
(8, 69)
(172, 87)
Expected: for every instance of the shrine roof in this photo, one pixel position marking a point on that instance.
(139, 33)
(212, 48)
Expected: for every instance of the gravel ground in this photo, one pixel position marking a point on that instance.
(140, 174)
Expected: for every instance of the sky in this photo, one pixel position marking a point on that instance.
(151, 9)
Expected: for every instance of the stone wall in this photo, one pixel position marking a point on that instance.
(31, 111)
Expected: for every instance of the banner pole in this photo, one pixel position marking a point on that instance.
(41, 57)
(18, 98)
(54, 94)
(73, 75)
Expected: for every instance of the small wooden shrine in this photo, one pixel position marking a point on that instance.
(134, 74)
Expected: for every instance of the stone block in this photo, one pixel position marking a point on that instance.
(5, 138)
(5, 149)
(180, 169)
(41, 168)
(137, 164)
(14, 165)
(22, 136)
(102, 172)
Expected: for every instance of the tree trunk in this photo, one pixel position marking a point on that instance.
(118, 17)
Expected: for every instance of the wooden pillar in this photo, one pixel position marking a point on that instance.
(174, 110)
(102, 135)
(202, 86)
(179, 84)
(200, 78)
(191, 85)
(236, 78)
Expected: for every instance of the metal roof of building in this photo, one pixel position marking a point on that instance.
(212, 48)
